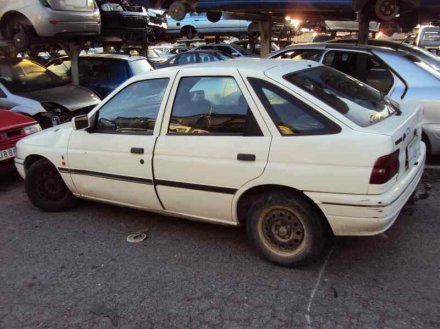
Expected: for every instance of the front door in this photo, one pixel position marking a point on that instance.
(212, 142)
(113, 161)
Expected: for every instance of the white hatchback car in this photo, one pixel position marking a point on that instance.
(290, 149)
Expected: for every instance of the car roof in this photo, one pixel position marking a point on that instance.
(250, 65)
(124, 57)
(348, 46)
(215, 44)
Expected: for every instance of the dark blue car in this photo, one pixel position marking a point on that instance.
(102, 73)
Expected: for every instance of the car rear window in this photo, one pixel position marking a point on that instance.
(357, 101)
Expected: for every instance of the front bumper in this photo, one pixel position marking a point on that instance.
(359, 215)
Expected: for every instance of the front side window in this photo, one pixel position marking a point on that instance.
(133, 110)
(188, 58)
(207, 57)
(357, 101)
(291, 116)
(211, 106)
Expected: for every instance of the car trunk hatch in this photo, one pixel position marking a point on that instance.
(72, 5)
(405, 132)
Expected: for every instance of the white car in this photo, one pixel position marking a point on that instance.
(290, 149)
(405, 77)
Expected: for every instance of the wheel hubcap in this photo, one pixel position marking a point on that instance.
(50, 186)
(283, 230)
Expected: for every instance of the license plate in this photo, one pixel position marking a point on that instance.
(7, 154)
(413, 151)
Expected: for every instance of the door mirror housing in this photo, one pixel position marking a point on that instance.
(81, 122)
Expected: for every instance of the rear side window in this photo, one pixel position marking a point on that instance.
(355, 100)
(211, 106)
(310, 54)
(291, 116)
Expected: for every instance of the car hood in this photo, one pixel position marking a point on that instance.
(69, 96)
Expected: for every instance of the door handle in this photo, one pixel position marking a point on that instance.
(246, 157)
(137, 150)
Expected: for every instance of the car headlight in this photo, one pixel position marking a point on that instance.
(111, 7)
(29, 130)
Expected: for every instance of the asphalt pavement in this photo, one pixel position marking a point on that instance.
(77, 270)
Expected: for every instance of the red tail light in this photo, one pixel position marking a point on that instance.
(385, 168)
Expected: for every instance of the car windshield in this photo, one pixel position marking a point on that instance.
(22, 75)
(357, 101)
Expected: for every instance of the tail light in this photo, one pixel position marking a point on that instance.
(385, 168)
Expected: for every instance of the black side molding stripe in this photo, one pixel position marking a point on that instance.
(207, 188)
(106, 175)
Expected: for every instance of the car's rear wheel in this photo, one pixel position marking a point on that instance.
(46, 189)
(189, 32)
(285, 229)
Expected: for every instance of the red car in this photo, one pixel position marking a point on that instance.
(13, 127)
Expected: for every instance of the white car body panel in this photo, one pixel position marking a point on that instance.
(200, 177)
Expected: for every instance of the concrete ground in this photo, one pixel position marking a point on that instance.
(76, 270)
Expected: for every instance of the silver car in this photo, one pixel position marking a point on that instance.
(29, 88)
(403, 77)
(22, 20)
(198, 24)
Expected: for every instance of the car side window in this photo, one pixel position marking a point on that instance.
(96, 70)
(2, 93)
(133, 110)
(363, 67)
(206, 57)
(291, 116)
(310, 54)
(226, 50)
(211, 106)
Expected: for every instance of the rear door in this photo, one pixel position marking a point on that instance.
(212, 142)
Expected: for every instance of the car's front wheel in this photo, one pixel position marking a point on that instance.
(46, 189)
(285, 228)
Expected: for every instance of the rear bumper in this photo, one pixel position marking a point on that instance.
(369, 214)
(52, 23)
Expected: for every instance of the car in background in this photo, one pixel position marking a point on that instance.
(230, 49)
(423, 54)
(169, 50)
(101, 73)
(197, 24)
(124, 20)
(254, 48)
(29, 88)
(156, 57)
(23, 20)
(428, 37)
(193, 57)
(292, 150)
(13, 127)
(403, 77)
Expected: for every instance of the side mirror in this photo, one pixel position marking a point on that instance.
(80, 122)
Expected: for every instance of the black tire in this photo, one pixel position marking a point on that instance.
(46, 189)
(177, 10)
(386, 10)
(285, 228)
(189, 32)
(21, 41)
(214, 16)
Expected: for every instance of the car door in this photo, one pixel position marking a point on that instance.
(212, 142)
(113, 160)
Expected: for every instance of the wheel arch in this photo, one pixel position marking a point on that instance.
(11, 15)
(246, 198)
(31, 159)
